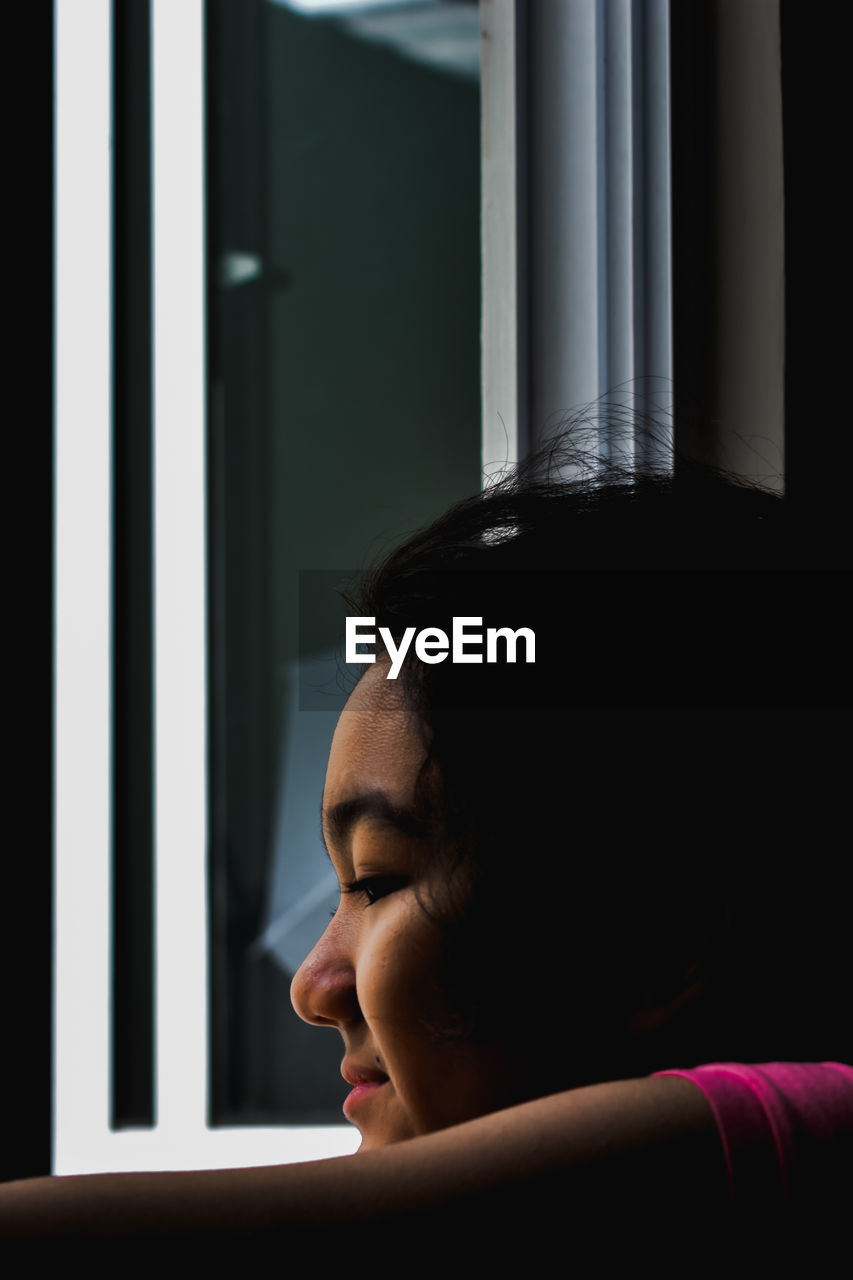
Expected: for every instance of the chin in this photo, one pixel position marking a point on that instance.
(389, 1137)
(373, 1143)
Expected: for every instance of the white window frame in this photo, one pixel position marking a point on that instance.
(181, 1137)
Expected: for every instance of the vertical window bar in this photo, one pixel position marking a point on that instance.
(653, 225)
(179, 567)
(503, 178)
(564, 211)
(616, 360)
(82, 579)
(133, 959)
(597, 196)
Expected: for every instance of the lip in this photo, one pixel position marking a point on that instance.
(366, 1081)
(356, 1075)
(360, 1093)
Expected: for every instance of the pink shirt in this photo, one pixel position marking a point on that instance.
(786, 1129)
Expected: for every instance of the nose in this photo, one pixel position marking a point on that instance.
(323, 990)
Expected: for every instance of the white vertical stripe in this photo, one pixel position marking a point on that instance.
(617, 364)
(600, 308)
(658, 186)
(82, 576)
(179, 566)
(653, 181)
(564, 209)
(500, 226)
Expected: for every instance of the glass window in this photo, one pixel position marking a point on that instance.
(344, 409)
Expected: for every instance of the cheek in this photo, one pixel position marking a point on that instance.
(440, 1078)
(397, 984)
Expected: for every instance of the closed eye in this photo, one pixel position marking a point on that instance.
(376, 887)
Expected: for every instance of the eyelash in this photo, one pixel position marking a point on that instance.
(375, 888)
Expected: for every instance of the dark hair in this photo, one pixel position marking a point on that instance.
(637, 778)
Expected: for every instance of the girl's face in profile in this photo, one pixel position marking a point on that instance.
(373, 974)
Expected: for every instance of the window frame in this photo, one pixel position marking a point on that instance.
(83, 1139)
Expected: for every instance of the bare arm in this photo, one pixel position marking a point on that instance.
(607, 1153)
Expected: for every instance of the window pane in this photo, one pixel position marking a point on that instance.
(344, 365)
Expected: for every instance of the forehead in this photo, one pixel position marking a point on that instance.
(377, 745)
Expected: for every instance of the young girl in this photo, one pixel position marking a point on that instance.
(584, 880)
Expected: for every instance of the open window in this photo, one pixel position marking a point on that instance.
(271, 304)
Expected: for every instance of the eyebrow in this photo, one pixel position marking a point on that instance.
(368, 806)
